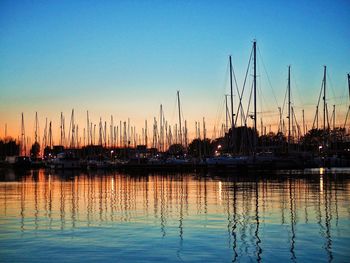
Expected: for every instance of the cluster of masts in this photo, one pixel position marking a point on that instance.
(124, 134)
(113, 135)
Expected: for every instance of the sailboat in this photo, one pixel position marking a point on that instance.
(229, 160)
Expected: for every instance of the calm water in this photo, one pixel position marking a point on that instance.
(60, 217)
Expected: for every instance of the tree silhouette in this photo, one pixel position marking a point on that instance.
(35, 150)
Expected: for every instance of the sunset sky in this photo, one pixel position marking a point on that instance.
(127, 57)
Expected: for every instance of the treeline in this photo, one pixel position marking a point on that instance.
(8, 147)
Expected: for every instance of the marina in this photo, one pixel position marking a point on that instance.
(174, 131)
(121, 147)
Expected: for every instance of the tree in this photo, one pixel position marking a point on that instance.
(176, 149)
(35, 150)
(8, 147)
(200, 147)
(313, 139)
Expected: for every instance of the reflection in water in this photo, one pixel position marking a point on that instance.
(292, 219)
(230, 218)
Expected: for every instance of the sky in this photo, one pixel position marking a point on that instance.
(125, 58)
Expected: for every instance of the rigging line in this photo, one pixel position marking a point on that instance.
(250, 97)
(182, 115)
(262, 98)
(297, 89)
(268, 77)
(240, 106)
(218, 110)
(234, 77)
(295, 117)
(329, 82)
(344, 96)
(318, 103)
(346, 117)
(174, 109)
(327, 115)
(319, 97)
(335, 98)
(284, 101)
(218, 115)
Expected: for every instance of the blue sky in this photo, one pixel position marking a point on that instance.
(126, 57)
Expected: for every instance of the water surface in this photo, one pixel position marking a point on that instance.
(62, 217)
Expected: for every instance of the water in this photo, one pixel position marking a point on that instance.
(64, 217)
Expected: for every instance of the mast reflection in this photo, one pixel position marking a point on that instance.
(184, 206)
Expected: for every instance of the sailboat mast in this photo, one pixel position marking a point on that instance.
(226, 109)
(280, 124)
(50, 135)
(254, 83)
(36, 127)
(289, 107)
(161, 128)
(178, 101)
(324, 105)
(232, 123)
(146, 137)
(23, 149)
(88, 127)
(324, 99)
(304, 123)
(61, 129)
(349, 84)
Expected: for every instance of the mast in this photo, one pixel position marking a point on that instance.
(146, 137)
(303, 123)
(334, 133)
(349, 84)
(204, 136)
(111, 144)
(324, 105)
(232, 115)
(178, 101)
(72, 127)
(128, 134)
(23, 138)
(161, 135)
(45, 135)
(36, 127)
(105, 134)
(186, 138)
(76, 138)
(94, 134)
(50, 135)
(288, 108)
(87, 126)
(324, 99)
(346, 118)
(317, 117)
(280, 124)
(100, 132)
(254, 83)
(226, 117)
(61, 130)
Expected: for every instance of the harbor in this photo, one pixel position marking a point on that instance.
(240, 144)
(174, 131)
